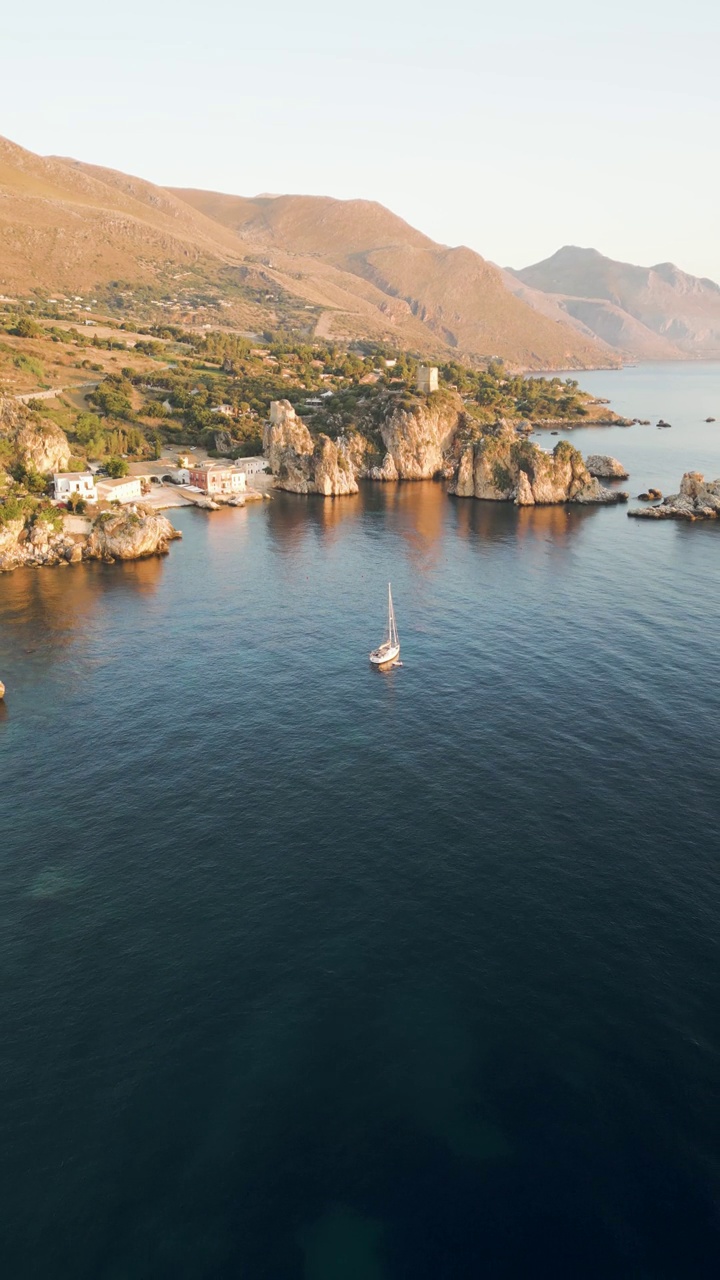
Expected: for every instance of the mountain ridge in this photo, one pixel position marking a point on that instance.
(657, 312)
(343, 270)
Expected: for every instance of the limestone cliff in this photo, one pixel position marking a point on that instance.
(698, 499)
(125, 535)
(129, 535)
(418, 438)
(301, 464)
(35, 442)
(500, 467)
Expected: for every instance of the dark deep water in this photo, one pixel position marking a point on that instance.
(314, 973)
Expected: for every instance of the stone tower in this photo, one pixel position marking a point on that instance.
(427, 379)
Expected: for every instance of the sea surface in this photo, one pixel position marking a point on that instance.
(310, 972)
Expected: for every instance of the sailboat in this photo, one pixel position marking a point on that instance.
(389, 651)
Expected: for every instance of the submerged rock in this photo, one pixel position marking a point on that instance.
(698, 499)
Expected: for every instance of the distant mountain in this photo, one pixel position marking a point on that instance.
(655, 312)
(332, 268)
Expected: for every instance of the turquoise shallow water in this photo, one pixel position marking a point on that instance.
(313, 972)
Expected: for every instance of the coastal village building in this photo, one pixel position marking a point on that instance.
(427, 379)
(69, 483)
(127, 489)
(251, 466)
(217, 477)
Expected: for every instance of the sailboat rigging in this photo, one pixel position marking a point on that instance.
(389, 651)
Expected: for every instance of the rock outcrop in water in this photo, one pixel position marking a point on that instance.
(418, 438)
(500, 467)
(698, 499)
(129, 535)
(125, 535)
(36, 443)
(301, 464)
(425, 437)
(604, 467)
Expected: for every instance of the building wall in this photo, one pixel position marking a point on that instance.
(427, 379)
(80, 482)
(251, 466)
(129, 491)
(218, 479)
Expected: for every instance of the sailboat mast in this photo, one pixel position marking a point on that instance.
(392, 629)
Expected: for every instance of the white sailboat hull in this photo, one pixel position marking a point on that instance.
(386, 654)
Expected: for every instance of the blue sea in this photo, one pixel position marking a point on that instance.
(311, 972)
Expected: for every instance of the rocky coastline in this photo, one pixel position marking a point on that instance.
(432, 437)
(698, 499)
(501, 468)
(35, 533)
(132, 534)
(301, 464)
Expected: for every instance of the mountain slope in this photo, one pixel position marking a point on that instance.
(458, 296)
(346, 269)
(655, 312)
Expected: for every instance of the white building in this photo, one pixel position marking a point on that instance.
(127, 489)
(68, 483)
(427, 379)
(226, 410)
(251, 466)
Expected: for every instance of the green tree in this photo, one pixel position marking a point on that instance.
(26, 327)
(116, 467)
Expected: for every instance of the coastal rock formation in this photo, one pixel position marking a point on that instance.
(501, 468)
(698, 499)
(129, 535)
(331, 469)
(125, 535)
(301, 464)
(418, 438)
(36, 442)
(605, 468)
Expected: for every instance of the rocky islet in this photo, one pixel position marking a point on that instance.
(698, 499)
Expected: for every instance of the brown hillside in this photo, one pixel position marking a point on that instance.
(340, 268)
(459, 297)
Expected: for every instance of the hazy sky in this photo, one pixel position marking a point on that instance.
(513, 128)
